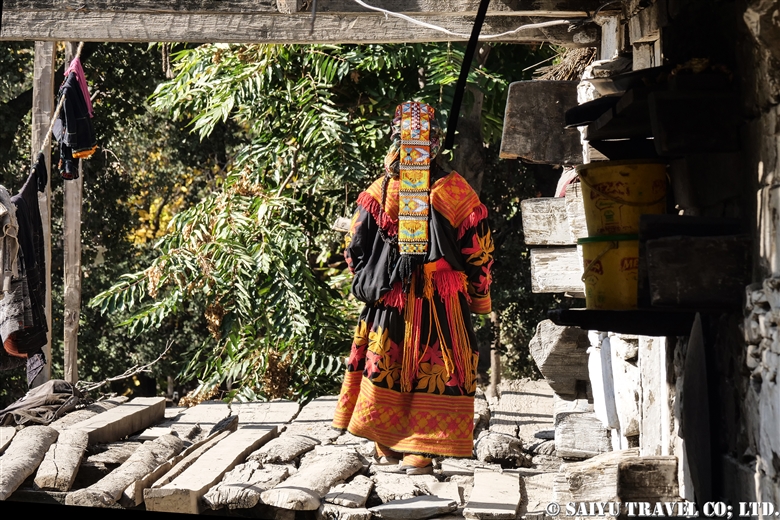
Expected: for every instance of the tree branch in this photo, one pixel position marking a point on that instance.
(85, 386)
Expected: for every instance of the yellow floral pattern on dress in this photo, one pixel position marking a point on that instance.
(377, 341)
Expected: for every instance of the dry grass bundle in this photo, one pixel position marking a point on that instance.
(570, 67)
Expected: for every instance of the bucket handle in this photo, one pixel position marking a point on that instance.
(612, 245)
(618, 200)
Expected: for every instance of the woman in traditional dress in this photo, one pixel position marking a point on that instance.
(421, 252)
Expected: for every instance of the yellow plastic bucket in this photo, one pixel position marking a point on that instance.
(611, 265)
(615, 193)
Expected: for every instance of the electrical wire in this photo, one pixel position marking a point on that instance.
(462, 35)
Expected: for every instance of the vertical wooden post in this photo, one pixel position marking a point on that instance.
(43, 110)
(71, 230)
(495, 354)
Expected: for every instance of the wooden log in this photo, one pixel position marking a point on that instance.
(113, 26)
(23, 456)
(351, 494)
(123, 420)
(61, 464)
(133, 495)
(557, 270)
(527, 7)
(6, 436)
(42, 113)
(88, 412)
(495, 496)
(144, 460)
(534, 123)
(193, 424)
(304, 490)
(580, 435)
(284, 448)
(592, 480)
(561, 353)
(524, 408)
(545, 222)
(241, 487)
(183, 494)
(648, 479)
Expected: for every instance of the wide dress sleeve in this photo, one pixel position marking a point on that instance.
(476, 246)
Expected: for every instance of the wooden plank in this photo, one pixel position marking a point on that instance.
(197, 422)
(315, 420)
(592, 480)
(123, 420)
(495, 496)
(108, 26)
(561, 353)
(23, 456)
(71, 230)
(562, 8)
(534, 123)
(524, 408)
(557, 270)
(183, 494)
(545, 222)
(626, 383)
(88, 412)
(144, 460)
(580, 435)
(575, 212)
(656, 414)
(61, 464)
(133, 495)
(275, 413)
(698, 272)
(42, 113)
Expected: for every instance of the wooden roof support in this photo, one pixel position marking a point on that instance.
(268, 21)
(43, 111)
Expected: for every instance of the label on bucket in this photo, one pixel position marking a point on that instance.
(629, 264)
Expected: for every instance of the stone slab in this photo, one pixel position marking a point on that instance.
(351, 494)
(419, 507)
(193, 453)
(87, 412)
(537, 492)
(317, 474)
(448, 490)
(23, 456)
(242, 486)
(183, 494)
(498, 447)
(61, 464)
(581, 435)
(561, 355)
(495, 496)
(123, 420)
(465, 467)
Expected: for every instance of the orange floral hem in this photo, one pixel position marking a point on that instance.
(408, 422)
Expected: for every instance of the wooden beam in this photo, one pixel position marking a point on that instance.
(71, 229)
(43, 110)
(558, 8)
(146, 26)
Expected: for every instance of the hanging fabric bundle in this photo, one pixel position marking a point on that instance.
(73, 129)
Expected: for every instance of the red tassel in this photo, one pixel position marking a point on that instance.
(479, 213)
(394, 298)
(382, 219)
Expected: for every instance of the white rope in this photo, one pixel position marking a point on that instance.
(47, 140)
(462, 35)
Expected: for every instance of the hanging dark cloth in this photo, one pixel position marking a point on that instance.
(42, 405)
(73, 129)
